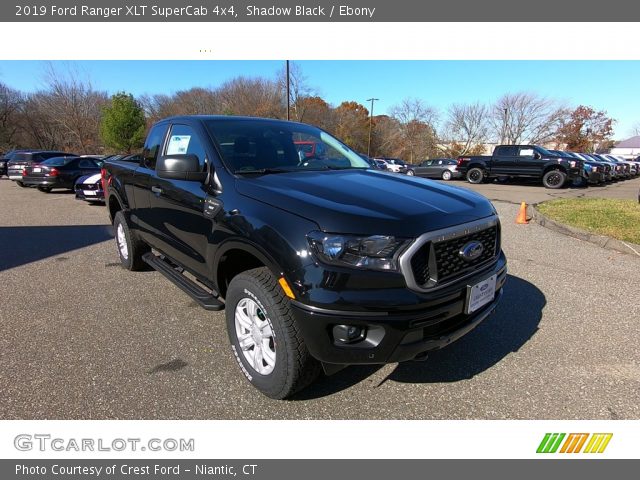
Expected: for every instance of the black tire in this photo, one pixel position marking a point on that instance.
(411, 173)
(446, 175)
(475, 175)
(293, 367)
(554, 179)
(45, 189)
(132, 258)
(20, 184)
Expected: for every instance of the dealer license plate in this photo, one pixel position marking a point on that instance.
(480, 294)
(89, 193)
(37, 170)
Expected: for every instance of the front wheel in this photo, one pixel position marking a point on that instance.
(410, 172)
(264, 336)
(45, 189)
(554, 179)
(475, 175)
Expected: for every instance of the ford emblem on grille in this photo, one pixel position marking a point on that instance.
(470, 251)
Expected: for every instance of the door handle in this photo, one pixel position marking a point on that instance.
(156, 190)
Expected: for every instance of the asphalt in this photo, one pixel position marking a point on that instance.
(81, 338)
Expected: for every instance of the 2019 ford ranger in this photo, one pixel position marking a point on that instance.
(319, 261)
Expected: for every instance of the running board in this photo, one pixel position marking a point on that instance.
(205, 299)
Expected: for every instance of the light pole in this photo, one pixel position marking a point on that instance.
(370, 123)
(288, 94)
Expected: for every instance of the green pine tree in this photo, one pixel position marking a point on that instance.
(123, 123)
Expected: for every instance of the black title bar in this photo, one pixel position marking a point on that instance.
(322, 11)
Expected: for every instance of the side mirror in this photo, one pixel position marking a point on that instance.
(537, 156)
(181, 167)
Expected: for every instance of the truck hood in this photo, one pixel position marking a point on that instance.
(367, 202)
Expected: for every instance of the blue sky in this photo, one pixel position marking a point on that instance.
(606, 85)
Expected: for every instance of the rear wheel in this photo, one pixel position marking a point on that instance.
(475, 175)
(45, 189)
(20, 184)
(130, 249)
(264, 335)
(554, 179)
(446, 175)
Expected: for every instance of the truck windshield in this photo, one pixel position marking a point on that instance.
(255, 145)
(546, 153)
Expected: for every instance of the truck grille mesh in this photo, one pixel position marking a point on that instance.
(448, 261)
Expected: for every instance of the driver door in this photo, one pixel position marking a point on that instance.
(182, 230)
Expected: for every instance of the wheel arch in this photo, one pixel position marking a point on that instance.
(235, 257)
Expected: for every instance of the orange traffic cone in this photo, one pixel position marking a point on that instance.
(522, 214)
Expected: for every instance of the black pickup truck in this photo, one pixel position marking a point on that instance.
(529, 161)
(320, 261)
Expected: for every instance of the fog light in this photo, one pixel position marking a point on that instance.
(348, 333)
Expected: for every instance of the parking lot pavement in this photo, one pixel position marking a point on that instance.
(517, 191)
(81, 338)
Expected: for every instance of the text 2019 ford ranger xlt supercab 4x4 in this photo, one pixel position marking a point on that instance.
(319, 260)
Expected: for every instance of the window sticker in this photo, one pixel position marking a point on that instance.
(178, 144)
(528, 152)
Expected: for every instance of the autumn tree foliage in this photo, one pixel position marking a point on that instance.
(586, 129)
(351, 125)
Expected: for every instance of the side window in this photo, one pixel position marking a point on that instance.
(152, 146)
(183, 140)
(526, 152)
(87, 164)
(507, 151)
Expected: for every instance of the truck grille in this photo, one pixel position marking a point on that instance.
(449, 261)
(437, 260)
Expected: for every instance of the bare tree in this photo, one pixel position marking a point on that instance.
(635, 130)
(11, 102)
(467, 126)
(251, 96)
(299, 90)
(526, 118)
(417, 134)
(75, 108)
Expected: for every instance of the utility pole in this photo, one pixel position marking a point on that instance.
(506, 125)
(370, 123)
(288, 94)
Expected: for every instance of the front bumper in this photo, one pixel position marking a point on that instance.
(595, 177)
(88, 194)
(398, 335)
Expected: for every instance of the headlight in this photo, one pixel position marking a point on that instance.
(376, 252)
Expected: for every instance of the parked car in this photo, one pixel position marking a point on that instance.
(395, 165)
(380, 164)
(623, 168)
(3, 163)
(372, 163)
(315, 266)
(444, 168)
(89, 188)
(616, 171)
(594, 172)
(25, 158)
(634, 167)
(521, 161)
(59, 172)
